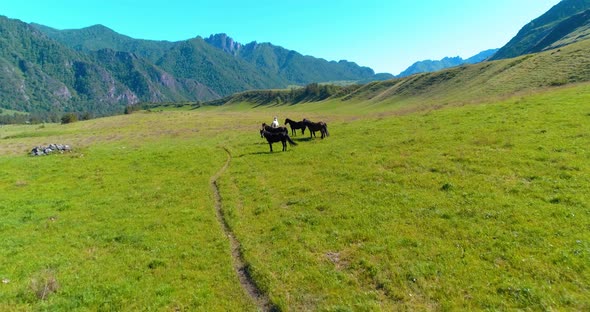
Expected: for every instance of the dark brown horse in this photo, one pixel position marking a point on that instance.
(273, 130)
(321, 126)
(295, 125)
(276, 137)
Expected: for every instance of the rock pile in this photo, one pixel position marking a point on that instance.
(51, 148)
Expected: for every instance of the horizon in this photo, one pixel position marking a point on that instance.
(342, 31)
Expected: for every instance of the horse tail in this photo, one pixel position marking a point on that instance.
(326, 129)
(291, 141)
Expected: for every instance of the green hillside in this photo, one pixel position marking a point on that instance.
(565, 19)
(41, 75)
(461, 85)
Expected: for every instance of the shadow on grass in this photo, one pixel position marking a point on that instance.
(302, 139)
(267, 152)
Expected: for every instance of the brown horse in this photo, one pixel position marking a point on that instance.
(321, 126)
(295, 125)
(276, 137)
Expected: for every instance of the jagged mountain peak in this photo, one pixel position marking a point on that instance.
(225, 43)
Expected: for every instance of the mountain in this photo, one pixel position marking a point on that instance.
(219, 62)
(39, 74)
(292, 66)
(447, 62)
(223, 73)
(565, 23)
(481, 56)
(98, 70)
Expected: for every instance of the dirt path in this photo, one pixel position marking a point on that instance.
(240, 266)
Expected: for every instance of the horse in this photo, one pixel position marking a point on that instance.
(276, 137)
(295, 125)
(273, 130)
(321, 126)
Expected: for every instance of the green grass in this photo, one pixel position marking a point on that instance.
(477, 207)
(120, 225)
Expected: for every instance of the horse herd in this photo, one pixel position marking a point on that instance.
(281, 134)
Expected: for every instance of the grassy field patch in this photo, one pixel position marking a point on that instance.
(457, 208)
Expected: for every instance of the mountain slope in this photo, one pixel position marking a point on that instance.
(149, 82)
(557, 24)
(39, 74)
(566, 32)
(454, 86)
(447, 62)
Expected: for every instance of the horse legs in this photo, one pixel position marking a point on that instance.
(270, 146)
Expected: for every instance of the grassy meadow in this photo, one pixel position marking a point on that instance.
(474, 207)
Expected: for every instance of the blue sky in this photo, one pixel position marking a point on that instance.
(386, 35)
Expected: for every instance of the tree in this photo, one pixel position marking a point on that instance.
(86, 116)
(69, 118)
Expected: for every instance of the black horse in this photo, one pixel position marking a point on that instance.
(273, 130)
(321, 126)
(276, 137)
(295, 125)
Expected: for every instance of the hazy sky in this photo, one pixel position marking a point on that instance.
(386, 35)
